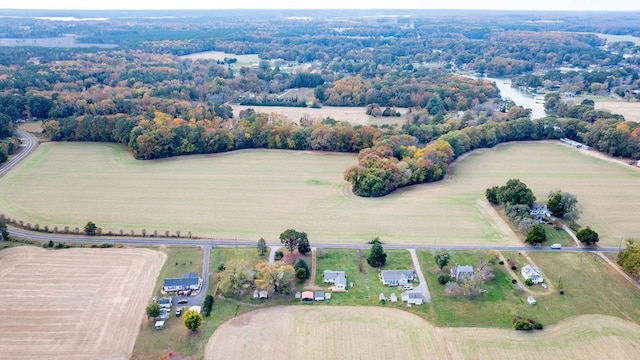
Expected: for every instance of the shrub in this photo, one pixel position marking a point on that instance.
(513, 281)
(221, 267)
(514, 268)
(443, 279)
(538, 326)
(278, 255)
(523, 324)
(528, 282)
(501, 262)
(207, 305)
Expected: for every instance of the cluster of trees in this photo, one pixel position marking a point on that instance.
(514, 192)
(629, 258)
(294, 239)
(587, 236)
(564, 205)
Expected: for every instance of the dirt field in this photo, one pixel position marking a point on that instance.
(73, 303)
(630, 110)
(353, 115)
(324, 332)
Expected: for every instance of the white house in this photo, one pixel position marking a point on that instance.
(460, 272)
(397, 277)
(412, 297)
(337, 278)
(540, 212)
(188, 281)
(533, 273)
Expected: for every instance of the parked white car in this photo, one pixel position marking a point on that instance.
(556, 246)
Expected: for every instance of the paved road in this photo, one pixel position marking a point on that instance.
(423, 287)
(30, 143)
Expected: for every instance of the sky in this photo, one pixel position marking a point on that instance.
(582, 5)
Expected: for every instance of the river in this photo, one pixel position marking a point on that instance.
(520, 97)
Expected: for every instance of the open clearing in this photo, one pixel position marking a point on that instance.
(352, 115)
(73, 303)
(630, 110)
(325, 332)
(243, 60)
(260, 193)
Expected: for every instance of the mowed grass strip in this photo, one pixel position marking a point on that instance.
(257, 193)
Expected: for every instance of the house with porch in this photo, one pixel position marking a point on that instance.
(188, 281)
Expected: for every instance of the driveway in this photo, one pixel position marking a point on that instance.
(423, 288)
(198, 299)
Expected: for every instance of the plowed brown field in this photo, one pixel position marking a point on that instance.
(74, 303)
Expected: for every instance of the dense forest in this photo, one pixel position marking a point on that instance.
(127, 82)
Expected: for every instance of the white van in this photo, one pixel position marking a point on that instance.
(556, 246)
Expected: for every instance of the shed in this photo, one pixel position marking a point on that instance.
(327, 296)
(159, 324)
(196, 308)
(393, 298)
(256, 294)
(531, 300)
(264, 294)
(307, 296)
(318, 295)
(381, 297)
(298, 295)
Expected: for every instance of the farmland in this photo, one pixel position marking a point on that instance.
(212, 194)
(57, 311)
(355, 332)
(630, 110)
(353, 115)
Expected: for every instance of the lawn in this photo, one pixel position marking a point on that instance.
(588, 284)
(556, 236)
(179, 261)
(366, 284)
(243, 60)
(252, 194)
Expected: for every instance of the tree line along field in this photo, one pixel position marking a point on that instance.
(68, 184)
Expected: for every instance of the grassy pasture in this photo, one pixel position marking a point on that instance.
(354, 333)
(253, 194)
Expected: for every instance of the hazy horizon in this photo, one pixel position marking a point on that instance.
(548, 5)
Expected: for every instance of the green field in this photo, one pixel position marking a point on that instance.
(259, 193)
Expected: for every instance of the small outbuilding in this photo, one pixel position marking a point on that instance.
(531, 300)
(159, 324)
(393, 298)
(381, 297)
(318, 295)
(307, 296)
(263, 294)
(298, 295)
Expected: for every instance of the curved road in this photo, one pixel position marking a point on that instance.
(29, 146)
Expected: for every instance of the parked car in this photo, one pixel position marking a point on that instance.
(183, 301)
(178, 312)
(556, 246)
